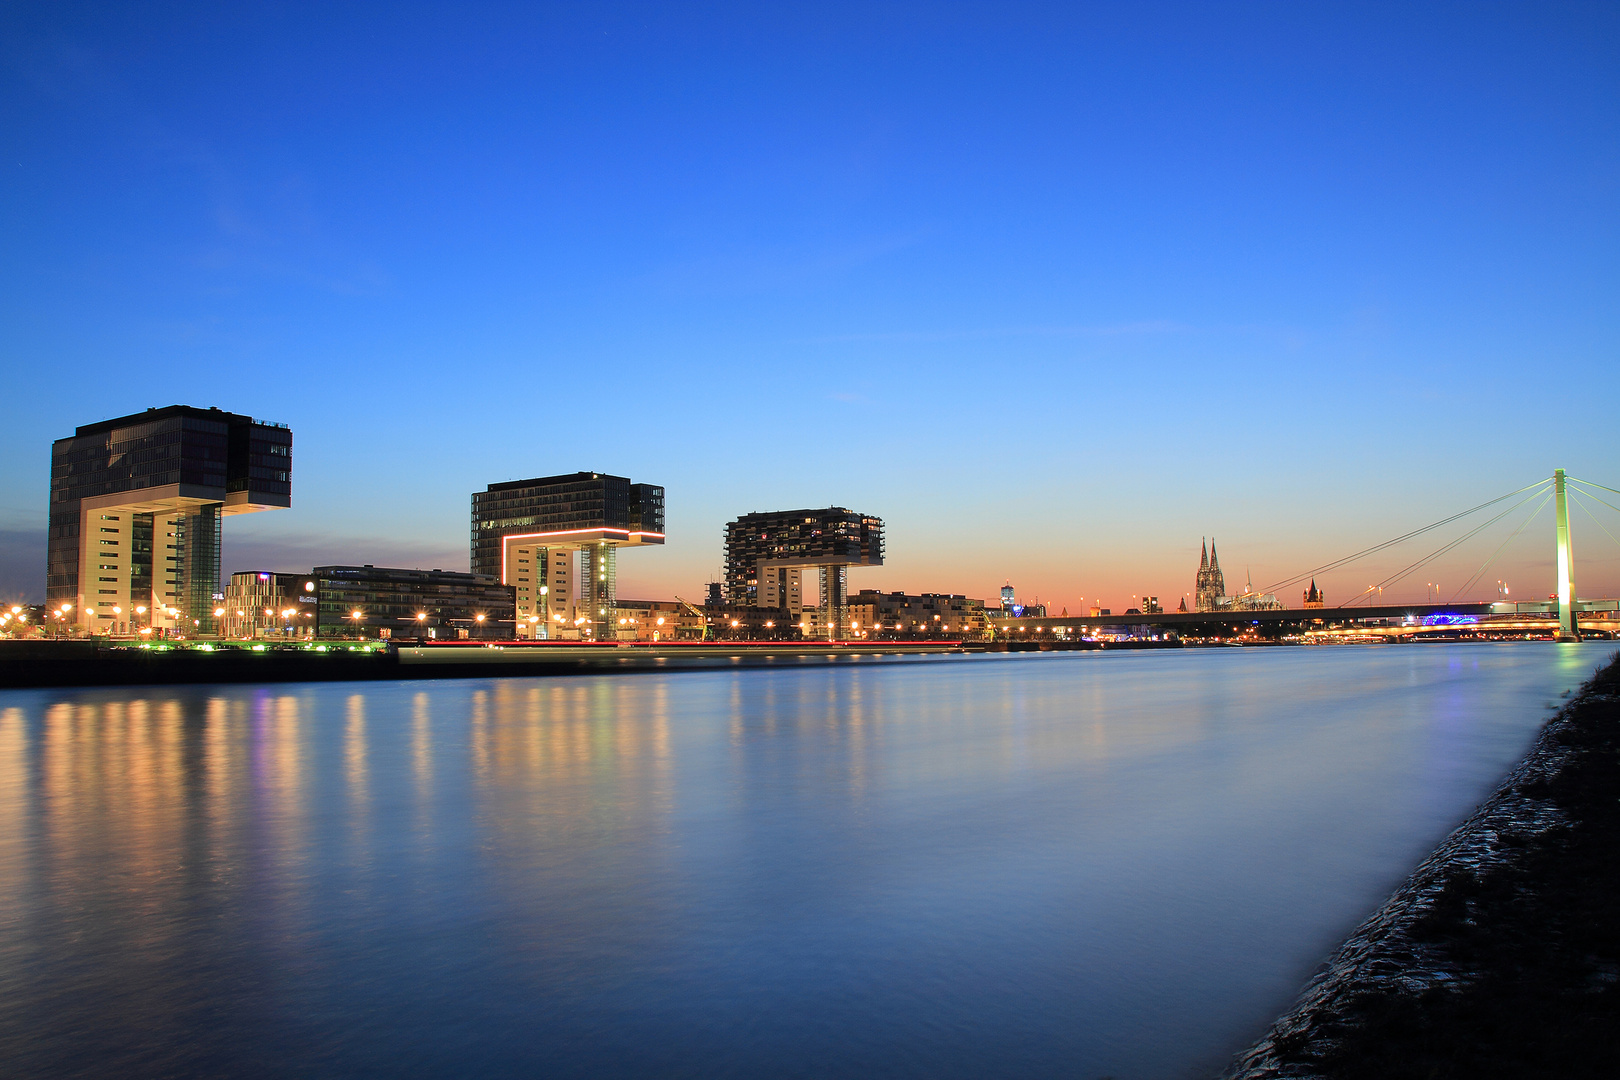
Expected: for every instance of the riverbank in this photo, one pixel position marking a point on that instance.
(94, 663)
(1500, 954)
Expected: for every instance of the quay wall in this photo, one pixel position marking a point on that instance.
(91, 663)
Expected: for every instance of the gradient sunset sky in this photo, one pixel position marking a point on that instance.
(1055, 290)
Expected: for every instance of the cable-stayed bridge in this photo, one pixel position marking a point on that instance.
(1573, 614)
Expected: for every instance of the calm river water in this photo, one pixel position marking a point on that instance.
(1060, 865)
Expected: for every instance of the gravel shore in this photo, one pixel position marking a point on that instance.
(1500, 955)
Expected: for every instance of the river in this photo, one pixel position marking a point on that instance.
(1031, 865)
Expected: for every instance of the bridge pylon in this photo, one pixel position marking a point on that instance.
(1568, 630)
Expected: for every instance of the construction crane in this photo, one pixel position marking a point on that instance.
(703, 620)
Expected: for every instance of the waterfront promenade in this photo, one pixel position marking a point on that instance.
(95, 663)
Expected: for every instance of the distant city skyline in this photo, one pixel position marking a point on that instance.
(1054, 291)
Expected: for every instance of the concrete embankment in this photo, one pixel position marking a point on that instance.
(96, 663)
(1500, 955)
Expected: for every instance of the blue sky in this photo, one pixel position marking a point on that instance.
(1055, 290)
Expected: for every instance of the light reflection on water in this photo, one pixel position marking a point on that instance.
(1071, 865)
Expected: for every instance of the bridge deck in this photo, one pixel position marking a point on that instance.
(1289, 615)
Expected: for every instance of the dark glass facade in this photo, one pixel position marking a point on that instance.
(365, 601)
(576, 502)
(176, 462)
(832, 536)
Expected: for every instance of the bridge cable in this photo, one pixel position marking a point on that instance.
(1335, 564)
(1594, 517)
(1589, 483)
(1486, 565)
(1437, 552)
(1605, 502)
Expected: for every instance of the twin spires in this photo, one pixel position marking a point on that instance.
(1211, 583)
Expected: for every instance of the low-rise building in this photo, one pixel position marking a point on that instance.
(265, 604)
(745, 622)
(384, 602)
(928, 615)
(658, 620)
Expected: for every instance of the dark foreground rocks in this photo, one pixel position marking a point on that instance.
(1500, 956)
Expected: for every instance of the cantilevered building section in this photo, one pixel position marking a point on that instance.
(136, 507)
(766, 554)
(555, 539)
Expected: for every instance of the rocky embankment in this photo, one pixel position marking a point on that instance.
(1500, 955)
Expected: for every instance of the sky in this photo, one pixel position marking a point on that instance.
(1055, 290)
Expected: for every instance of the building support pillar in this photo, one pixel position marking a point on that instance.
(198, 544)
(835, 600)
(1568, 626)
(601, 590)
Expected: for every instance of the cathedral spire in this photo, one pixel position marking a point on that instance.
(1214, 559)
(1203, 554)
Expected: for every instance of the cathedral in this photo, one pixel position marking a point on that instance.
(1211, 593)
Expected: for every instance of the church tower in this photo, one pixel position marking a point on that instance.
(1211, 582)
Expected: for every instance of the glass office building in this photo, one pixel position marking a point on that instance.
(435, 605)
(136, 509)
(555, 539)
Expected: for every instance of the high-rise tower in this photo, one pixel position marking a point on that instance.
(556, 540)
(136, 506)
(766, 554)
